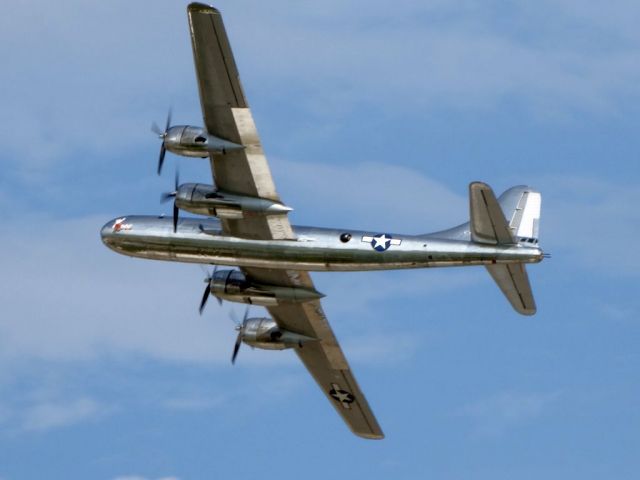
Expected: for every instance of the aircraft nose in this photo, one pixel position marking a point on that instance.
(106, 232)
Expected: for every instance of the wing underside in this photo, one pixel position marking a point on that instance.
(246, 172)
(324, 358)
(227, 115)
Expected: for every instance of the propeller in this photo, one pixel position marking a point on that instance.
(240, 329)
(207, 290)
(166, 196)
(162, 134)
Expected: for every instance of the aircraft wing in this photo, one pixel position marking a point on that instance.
(324, 359)
(227, 115)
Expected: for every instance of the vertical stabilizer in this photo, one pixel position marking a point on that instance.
(521, 206)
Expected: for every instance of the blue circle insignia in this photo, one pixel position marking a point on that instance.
(381, 242)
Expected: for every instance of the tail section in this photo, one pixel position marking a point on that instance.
(513, 280)
(512, 219)
(522, 206)
(488, 224)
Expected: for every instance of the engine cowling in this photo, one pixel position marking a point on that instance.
(203, 199)
(190, 141)
(233, 286)
(264, 333)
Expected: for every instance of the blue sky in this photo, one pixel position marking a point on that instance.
(373, 117)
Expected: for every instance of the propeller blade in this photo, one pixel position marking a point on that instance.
(162, 134)
(165, 197)
(205, 297)
(163, 150)
(156, 129)
(176, 210)
(236, 347)
(168, 124)
(233, 316)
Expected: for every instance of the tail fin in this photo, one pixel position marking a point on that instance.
(489, 225)
(522, 205)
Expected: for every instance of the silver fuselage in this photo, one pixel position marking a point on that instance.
(316, 249)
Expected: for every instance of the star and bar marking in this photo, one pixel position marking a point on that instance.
(341, 396)
(381, 242)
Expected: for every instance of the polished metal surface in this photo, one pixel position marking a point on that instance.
(234, 286)
(190, 141)
(266, 334)
(315, 249)
(202, 199)
(252, 231)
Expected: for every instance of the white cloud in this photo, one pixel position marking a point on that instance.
(383, 349)
(355, 295)
(454, 54)
(497, 414)
(83, 78)
(72, 298)
(387, 197)
(65, 97)
(194, 403)
(617, 312)
(590, 220)
(46, 416)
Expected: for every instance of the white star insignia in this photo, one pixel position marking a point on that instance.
(381, 241)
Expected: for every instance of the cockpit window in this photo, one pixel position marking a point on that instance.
(200, 139)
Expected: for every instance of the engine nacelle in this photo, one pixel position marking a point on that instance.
(264, 333)
(233, 285)
(191, 141)
(207, 200)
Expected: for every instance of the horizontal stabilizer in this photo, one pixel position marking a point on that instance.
(513, 280)
(488, 224)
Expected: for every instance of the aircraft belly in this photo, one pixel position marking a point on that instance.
(313, 250)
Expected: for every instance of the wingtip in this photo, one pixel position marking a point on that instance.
(202, 8)
(370, 436)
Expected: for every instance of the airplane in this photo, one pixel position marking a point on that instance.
(242, 222)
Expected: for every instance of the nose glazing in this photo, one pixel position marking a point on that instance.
(106, 232)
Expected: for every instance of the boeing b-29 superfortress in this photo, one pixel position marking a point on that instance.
(243, 223)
